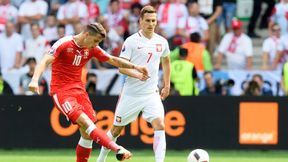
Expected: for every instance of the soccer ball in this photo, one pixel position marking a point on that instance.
(198, 155)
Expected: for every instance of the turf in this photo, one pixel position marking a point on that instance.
(142, 156)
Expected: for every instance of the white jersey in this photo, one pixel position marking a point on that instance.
(29, 8)
(7, 13)
(283, 46)
(9, 46)
(143, 51)
(193, 24)
(280, 16)
(36, 47)
(270, 46)
(70, 10)
(236, 52)
(168, 16)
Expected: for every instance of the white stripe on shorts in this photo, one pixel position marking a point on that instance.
(59, 106)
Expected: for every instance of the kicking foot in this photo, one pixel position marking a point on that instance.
(123, 154)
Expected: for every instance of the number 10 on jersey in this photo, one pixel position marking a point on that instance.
(77, 60)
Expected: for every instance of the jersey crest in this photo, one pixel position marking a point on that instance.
(52, 51)
(158, 47)
(86, 53)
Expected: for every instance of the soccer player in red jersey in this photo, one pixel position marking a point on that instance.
(68, 55)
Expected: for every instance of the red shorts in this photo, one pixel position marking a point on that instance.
(73, 102)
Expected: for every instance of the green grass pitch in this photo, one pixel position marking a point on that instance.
(142, 156)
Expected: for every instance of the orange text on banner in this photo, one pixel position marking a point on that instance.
(174, 124)
(258, 123)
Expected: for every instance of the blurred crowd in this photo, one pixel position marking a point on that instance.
(28, 28)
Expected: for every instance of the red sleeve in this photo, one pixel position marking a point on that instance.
(97, 10)
(100, 54)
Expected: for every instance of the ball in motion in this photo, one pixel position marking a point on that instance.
(198, 155)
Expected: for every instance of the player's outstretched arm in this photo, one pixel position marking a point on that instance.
(166, 77)
(122, 63)
(133, 73)
(33, 85)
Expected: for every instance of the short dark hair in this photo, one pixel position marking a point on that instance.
(89, 75)
(35, 24)
(147, 9)
(136, 6)
(183, 52)
(112, 1)
(30, 59)
(207, 72)
(190, 2)
(258, 75)
(195, 37)
(95, 28)
(60, 26)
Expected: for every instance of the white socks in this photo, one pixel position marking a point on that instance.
(159, 145)
(85, 143)
(104, 151)
(90, 129)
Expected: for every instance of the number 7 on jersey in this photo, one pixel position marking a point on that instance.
(150, 55)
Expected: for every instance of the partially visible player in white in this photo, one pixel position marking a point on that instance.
(237, 47)
(140, 93)
(193, 23)
(269, 49)
(282, 52)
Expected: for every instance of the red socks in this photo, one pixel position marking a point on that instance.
(82, 153)
(101, 138)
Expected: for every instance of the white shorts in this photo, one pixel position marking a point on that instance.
(129, 107)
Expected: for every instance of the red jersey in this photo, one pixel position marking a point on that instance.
(68, 63)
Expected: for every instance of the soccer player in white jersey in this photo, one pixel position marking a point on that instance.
(140, 92)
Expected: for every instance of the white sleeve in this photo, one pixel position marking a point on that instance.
(266, 46)
(113, 36)
(60, 13)
(43, 8)
(127, 49)
(224, 44)
(273, 18)
(248, 48)
(203, 24)
(19, 44)
(185, 10)
(14, 14)
(166, 50)
(281, 45)
(22, 10)
(83, 11)
(182, 22)
(159, 13)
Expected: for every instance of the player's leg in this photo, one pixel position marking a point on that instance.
(100, 137)
(113, 134)
(159, 144)
(127, 110)
(78, 109)
(154, 114)
(84, 147)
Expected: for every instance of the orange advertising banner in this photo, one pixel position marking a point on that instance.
(258, 123)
